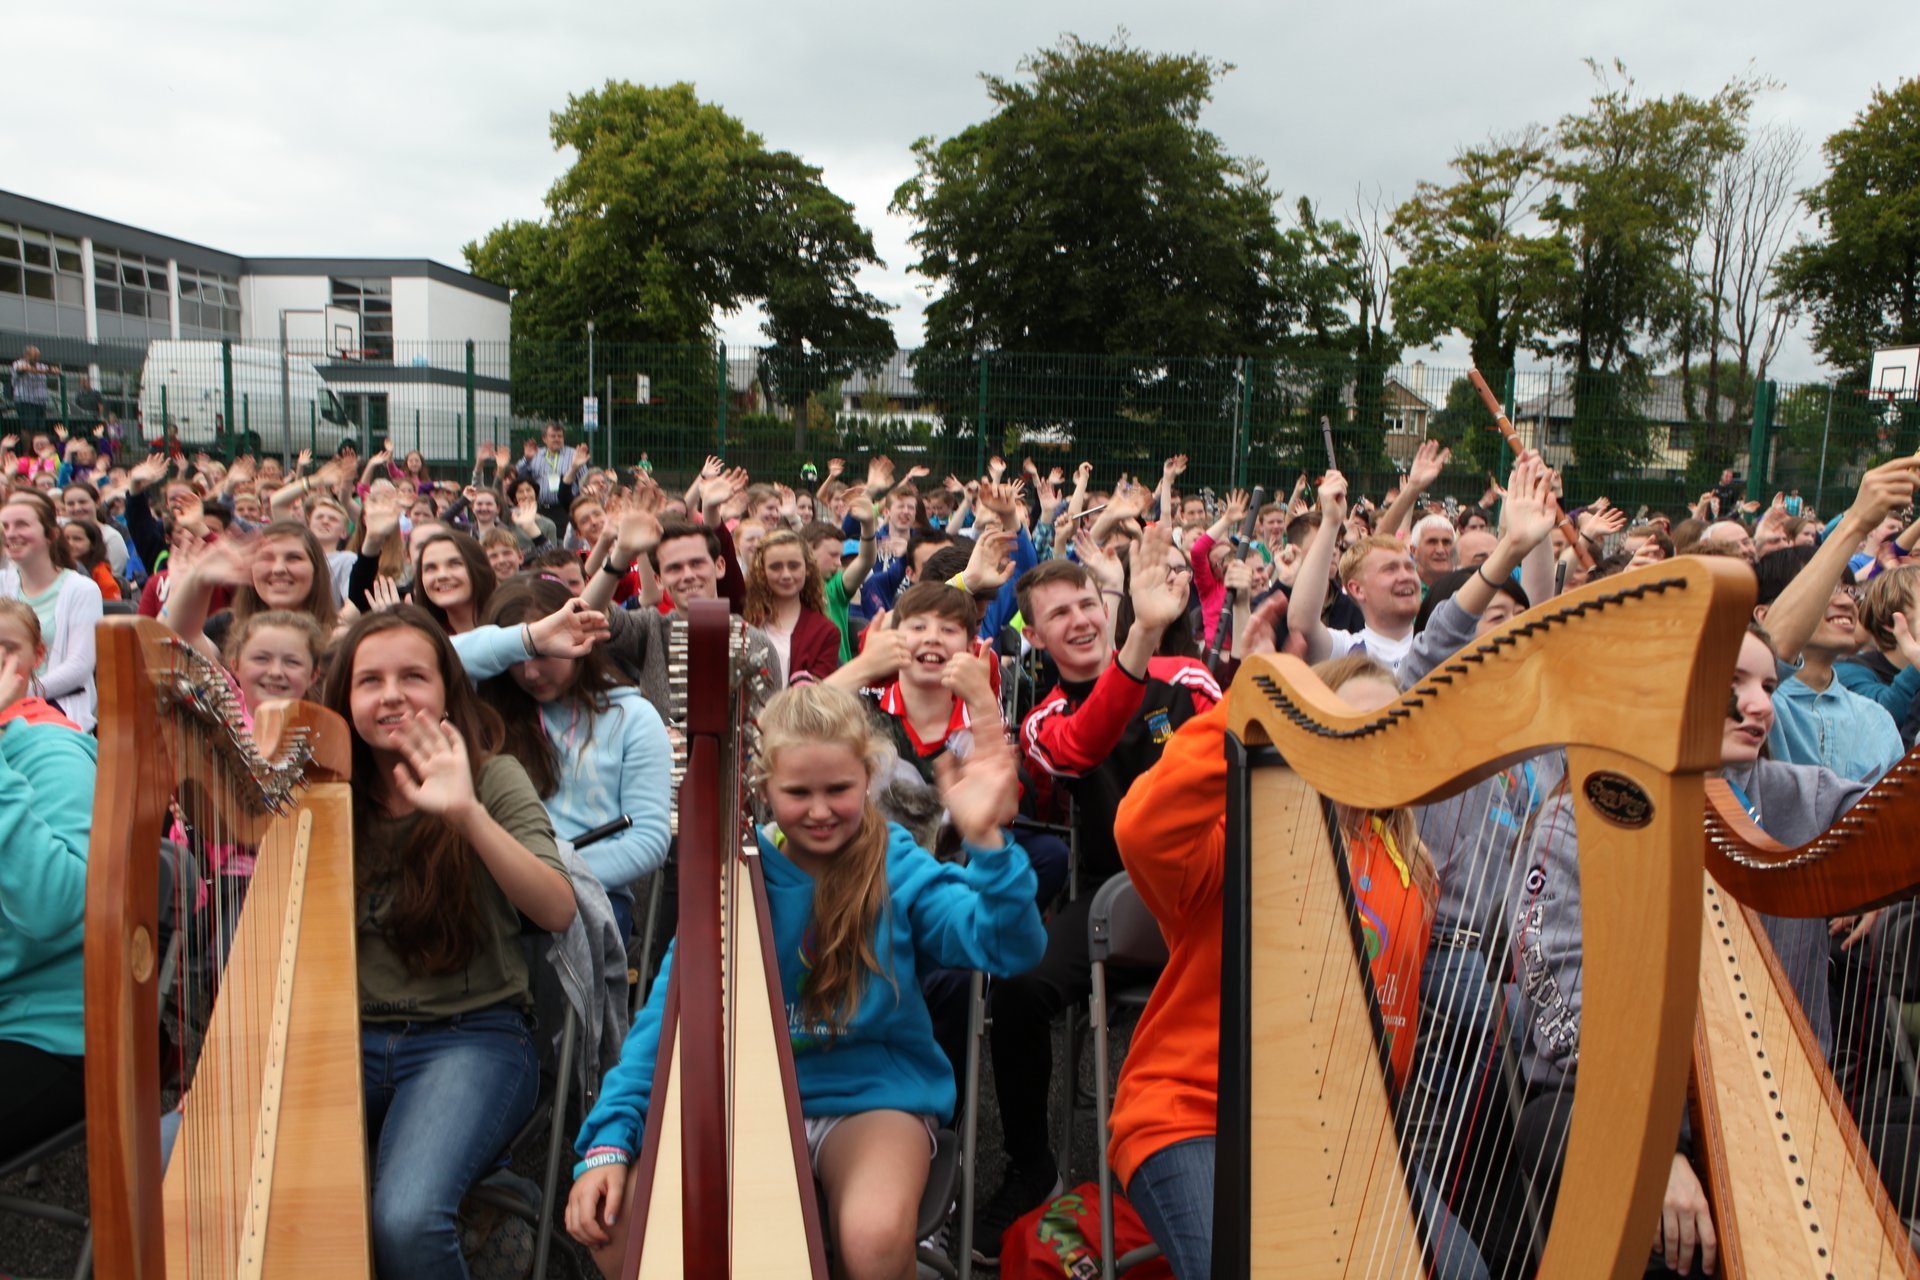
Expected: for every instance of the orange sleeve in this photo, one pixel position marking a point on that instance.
(1171, 828)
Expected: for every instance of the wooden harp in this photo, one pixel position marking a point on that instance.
(1630, 676)
(1795, 1191)
(268, 1174)
(723, 1186)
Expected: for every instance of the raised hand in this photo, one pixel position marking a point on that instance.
(639, 534)
(1428, 461)
(384, 594)
(1261, 624)
(999, 500)
(836, 467)
(996, 467)
(1108, 573)
(1531, 513)
(433, 775)
(879, 475)
(303, 460)
(1159, 595)
(860, 507)
(582, 454)
(917, 472)
(526, 515)
(886, 653)
(147, 472)
(380, 515)
(991, 563)
(982, 792)
(711, 468)
(1174, 466)
(1333, 497)
(570, 631)
(1598, 524)
(969, 677)
(1237, 503)
(1083, 475)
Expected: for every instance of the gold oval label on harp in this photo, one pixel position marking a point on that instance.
(1618, 799)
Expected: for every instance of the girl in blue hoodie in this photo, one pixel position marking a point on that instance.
(859, 911)
(595, 748)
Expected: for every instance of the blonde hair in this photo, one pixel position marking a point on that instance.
(1400, 827)
(852, 893)
(1351, 558)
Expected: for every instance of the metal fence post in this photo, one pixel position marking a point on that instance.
(980, 421)
(246, 417)
(165, 419)
(720, 399)
(473, 419)
(226, 381)
(1820, 485)
(1758, 453)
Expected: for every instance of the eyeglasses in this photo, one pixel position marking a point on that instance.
(1850, 592)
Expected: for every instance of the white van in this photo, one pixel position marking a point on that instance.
(184, 383)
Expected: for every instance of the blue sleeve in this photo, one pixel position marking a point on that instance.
(46, 820)
(849, 527)
(646, 771)
(619, 1115)
(979, 915)
(882, 585)
(1899, 698)
(487, 651)
(1006, 602)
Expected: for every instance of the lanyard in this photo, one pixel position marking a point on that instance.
(1753, 810)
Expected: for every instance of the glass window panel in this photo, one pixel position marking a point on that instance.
(9, 246)
(189, 287)
(230, 321)
(133, 275)
(233, 296)
(9, 277)
(37, 254)
(68, 290)
(105, 296)
(40, 285)
(133, 303)
(157, 279)
(66, 242)
(69, 260)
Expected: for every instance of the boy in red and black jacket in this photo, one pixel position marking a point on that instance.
(1098, 730)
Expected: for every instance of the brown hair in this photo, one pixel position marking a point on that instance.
(435, 922)
(242, 631)
(594, 679)
(1046, 574)
(480, 575)
(319, 601)
(57, 550)
(939, 599)
(852, 893)
(22, 612)
(96, 545)
(758, 610)
(1399, 825)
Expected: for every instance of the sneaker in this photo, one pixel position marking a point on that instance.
(1024, 1189)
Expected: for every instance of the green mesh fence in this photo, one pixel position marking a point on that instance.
(1657, 441)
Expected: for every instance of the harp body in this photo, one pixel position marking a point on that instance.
(268, 1173)
(1791, 1179)
(722, 1185)
(1629, 675)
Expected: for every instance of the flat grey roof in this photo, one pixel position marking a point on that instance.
(72, 222)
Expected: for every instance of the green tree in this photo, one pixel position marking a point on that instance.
(1860, 278)
(1092, 215)
(1462, 424)
(1633, 182)
(1478, 263)
(672, 211)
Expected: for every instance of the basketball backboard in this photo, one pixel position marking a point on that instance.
(1896, 373)
(325, 333)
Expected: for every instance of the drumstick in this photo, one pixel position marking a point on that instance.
(1575, 538)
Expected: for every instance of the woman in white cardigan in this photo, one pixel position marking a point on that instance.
(67, 603)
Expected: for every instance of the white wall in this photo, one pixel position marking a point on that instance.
(456, 315)
(410, 317)
(263, 297)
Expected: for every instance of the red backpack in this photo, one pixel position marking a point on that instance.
(1062, 1238)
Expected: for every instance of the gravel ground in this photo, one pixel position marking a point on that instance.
(29, 1247)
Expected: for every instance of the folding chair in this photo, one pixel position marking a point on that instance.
(1123, 932)
(73, 1136)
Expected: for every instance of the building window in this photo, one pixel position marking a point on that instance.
(209, 300)
(1680, 438)
(372, 297)
(1559, 431)
(40, 265)
(129, 284)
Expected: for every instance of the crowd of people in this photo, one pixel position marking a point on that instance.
(968, 669)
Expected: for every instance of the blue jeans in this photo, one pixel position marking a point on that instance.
(1172, 1191)
(443, 1100)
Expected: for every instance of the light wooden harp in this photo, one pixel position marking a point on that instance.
(722, 1186)
(1630, 676)
(1794, 1186)
(268, 1173)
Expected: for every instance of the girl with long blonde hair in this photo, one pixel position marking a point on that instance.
(858, 908)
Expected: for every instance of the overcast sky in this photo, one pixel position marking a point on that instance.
(406, 130)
